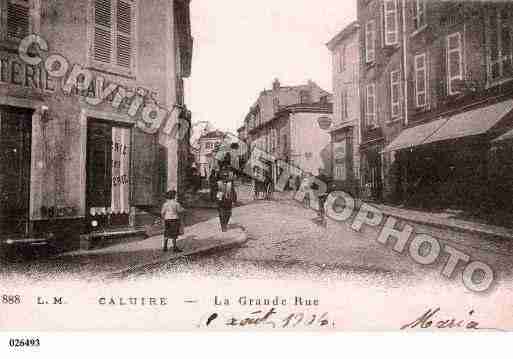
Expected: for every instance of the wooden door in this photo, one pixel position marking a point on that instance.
(15, 155)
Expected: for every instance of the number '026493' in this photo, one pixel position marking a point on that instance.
(24, 342)
(11, 299)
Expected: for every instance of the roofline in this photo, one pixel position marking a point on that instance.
(343, 34)
(325, 109)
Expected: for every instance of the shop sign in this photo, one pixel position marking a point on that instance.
(14, 71)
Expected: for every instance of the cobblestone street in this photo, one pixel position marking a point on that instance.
(283, 234)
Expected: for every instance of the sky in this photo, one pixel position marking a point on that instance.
(241, 46)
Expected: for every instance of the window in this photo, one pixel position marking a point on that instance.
(454, 62)
(395, 93)
(304, 96)
(500, 47)
(18, 22)
(391, 26)
(113, 33)
(370, 41)
(344, 104)
(273, 140)
(341, 60)
(258, 119)
(419, 14)
(421, 80)
(370, 108)
(276, 104)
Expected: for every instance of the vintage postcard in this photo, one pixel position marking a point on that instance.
(291, 165)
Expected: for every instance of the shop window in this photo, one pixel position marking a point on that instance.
(391, 27)
(419, 14)
(454, 62)
(370, 42)
(18, 22)
(395, 93)
(113, 34)
(500, 47)
(421, 80)
(370, 108)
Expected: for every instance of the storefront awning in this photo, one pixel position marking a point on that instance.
(470, 123)
(415, 136)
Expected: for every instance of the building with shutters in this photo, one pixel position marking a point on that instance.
(291, 123)
(346, 127)
(78, 157)
(381, 84)
(450, 146)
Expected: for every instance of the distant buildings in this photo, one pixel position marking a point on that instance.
(292, 124)
(207, 145)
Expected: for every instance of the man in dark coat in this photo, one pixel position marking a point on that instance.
(226, 196)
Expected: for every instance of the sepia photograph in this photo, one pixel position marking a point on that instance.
(275, 166)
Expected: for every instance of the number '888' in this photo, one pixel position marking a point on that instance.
(11, 299)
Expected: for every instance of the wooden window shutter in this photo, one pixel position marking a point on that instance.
(103, 31)
(18, 19)
(124, 33)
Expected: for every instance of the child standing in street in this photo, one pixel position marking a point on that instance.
(171, 211)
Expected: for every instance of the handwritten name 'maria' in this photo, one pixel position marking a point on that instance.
(430, 320)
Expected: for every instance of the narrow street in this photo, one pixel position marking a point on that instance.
(285, 239)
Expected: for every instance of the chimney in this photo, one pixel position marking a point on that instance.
(276, 84)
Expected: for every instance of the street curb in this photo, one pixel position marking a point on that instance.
(500, 232)
(243, 239)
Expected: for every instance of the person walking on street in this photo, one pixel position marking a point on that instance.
(171, 211)
(212, 181)
(322, 197)
(226, 197)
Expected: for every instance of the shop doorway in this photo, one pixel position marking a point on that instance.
(108, 175)
(15, 155)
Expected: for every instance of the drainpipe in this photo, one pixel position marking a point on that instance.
(405, 67)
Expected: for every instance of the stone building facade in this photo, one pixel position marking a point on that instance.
(208, 143)
(381, 86)
(445, 67)
(82, 112)
(460, 101)
(284, 122)
(346, 127)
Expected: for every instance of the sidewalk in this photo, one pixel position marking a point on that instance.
(114, 261)
(445, 220)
